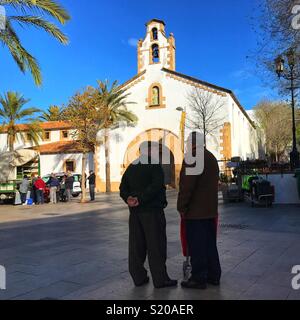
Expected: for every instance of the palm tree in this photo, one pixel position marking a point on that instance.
(12, 112)
(112, 103)
(31, 13)
(54, 113)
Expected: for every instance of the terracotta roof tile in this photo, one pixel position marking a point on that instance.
(53, 125)
(59, 147)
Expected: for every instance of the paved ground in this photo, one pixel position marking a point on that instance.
(73, 251)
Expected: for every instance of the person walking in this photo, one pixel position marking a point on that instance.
(40, 187)
(92, 185)
(24, 187)
(198, 205)
(143, 190)
(62, 189)
(33, 193)
(53, 185)
(69, 186)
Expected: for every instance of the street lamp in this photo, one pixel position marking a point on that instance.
(290, 75)
(182, 126)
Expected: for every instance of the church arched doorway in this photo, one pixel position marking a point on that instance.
(171, 156)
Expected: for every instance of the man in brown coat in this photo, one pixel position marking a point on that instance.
(198, 205)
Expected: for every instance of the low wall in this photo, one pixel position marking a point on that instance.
(286, 191)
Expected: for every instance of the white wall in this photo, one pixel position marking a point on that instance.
(244, 135)
(55, 163)
(168, 118)
(286, 191)
(55, 137)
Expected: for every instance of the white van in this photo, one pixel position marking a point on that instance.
(76, 185)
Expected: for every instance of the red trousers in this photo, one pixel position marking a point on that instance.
(184, 238)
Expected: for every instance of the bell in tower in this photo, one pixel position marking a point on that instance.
(156, 48)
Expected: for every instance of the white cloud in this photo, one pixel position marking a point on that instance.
(241, 74)
(133, 42)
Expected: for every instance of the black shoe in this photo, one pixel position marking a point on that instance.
(191, 284)
(213, 282)
(168, 284)
(146, 281)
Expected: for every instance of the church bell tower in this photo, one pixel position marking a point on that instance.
(156, 48)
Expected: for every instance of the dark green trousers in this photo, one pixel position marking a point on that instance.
(147, 237)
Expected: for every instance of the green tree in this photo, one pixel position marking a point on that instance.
(31, 13)
(111, 102)
(54, 113)
(86, 121)
(275, 121)
(12, 112)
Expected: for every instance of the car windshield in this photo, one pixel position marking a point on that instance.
(77, 178)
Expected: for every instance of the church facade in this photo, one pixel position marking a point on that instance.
(161, 101)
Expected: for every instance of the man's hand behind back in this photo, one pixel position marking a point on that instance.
(133, 202)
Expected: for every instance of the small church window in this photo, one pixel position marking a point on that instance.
(154, 34)
(155, 96)
(155, 53)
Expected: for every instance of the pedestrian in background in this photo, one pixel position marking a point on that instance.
(24, 187)
(69, 186)
(62, 189)
(92, 185)
(33, 194)
(53, 185)
(40, 186)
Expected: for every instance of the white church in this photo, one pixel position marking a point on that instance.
(161, 103)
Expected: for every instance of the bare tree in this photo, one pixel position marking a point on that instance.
(206, 112)
(277, 26)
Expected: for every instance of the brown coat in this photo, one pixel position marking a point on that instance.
(198, 194)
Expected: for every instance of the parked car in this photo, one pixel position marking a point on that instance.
(76, 185)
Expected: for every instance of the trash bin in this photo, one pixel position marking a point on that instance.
(298, 180)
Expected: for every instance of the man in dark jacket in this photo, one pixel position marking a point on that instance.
(92, 185)
(143, 190)
(53, 184)
(69, 186)
(198, 205)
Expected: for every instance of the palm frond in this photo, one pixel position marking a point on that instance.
(113, 101)
(22, 57)
(49, 7)
(12, 112)
(33, 14)
(43, 24)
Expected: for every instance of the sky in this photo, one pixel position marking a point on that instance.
(213, 40)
